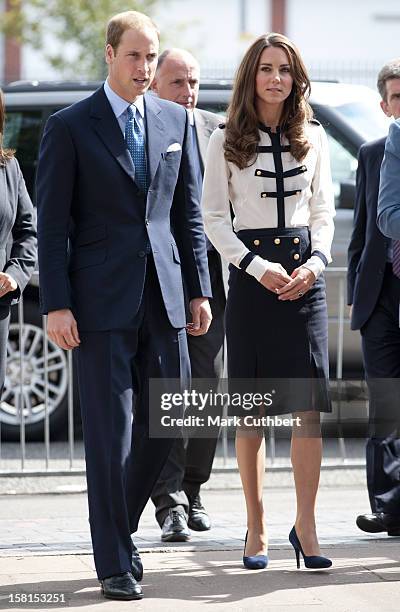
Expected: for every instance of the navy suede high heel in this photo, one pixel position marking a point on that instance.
(256, 562)
(311, 561)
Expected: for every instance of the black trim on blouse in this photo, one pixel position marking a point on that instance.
(246, 261)
(321, 256)
(279, 175)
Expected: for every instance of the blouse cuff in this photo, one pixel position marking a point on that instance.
(257, 267)
(315, 264)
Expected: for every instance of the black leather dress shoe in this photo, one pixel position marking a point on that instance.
(379, 522)
(122, 586)
(137, 566)
(175, 528)
(198, 517)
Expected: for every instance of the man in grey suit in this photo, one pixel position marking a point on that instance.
(177, 492)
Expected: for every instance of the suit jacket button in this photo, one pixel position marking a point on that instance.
(142, 254)
(296, 256)
(256, 242)
(277, 241)
(263, 195)
(258, 172)
(296, 240)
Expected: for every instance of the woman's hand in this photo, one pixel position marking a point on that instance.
(302, 279)
(7, 284)
(275, 278)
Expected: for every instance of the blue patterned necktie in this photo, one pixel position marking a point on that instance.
(135, 142)
(396, 258)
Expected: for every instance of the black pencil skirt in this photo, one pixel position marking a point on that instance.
(278, 345)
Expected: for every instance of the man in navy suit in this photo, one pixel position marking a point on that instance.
(119, 232)
(373, 292)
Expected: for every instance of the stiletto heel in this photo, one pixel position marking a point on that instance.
(296, 550)
(311, 561)
(256, 561)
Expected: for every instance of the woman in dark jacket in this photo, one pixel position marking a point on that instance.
(17, 238)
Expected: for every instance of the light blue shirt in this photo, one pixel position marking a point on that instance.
(389, 186)
(120, 106)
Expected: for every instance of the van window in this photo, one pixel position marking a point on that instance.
(343, 166)
(22, 133)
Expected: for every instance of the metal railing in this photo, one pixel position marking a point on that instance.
(71, 465)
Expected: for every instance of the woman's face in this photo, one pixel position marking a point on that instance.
(274, 80)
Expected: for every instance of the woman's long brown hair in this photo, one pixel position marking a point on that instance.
(5, 154)
(242, 133)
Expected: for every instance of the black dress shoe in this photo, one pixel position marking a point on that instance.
(198, 517)
(175, 528)
(137, 566)
(122, 586)
(379, 522)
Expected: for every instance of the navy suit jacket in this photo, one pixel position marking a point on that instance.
(367, 252)
(95, 226)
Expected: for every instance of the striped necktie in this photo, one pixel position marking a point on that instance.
(135, 142)
(396, 257)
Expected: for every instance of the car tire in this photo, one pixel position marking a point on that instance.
(34, 382)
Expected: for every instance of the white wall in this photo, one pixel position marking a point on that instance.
(212, 32)
(343, 34)
(345, 30)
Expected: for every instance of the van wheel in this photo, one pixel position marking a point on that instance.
(33, 388)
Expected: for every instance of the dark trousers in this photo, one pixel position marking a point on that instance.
(381, 353)
(122, 461)
(190, 461)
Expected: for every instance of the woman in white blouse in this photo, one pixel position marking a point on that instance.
(270, 163)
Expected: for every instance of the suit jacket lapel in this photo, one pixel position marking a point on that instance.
(203, 132)
(106, 126)
(155, 134)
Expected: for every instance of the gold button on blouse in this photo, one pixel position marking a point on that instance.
(277, 240)
(256, 242)
(296, 256)
(296, 240)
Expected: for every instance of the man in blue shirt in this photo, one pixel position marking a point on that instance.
(120, 230)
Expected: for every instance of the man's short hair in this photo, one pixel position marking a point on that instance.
(391, 70)
(126, 21)
(162, 58)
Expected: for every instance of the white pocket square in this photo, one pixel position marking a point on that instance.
(174, 147)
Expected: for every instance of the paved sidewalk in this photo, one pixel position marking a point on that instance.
(45, 548)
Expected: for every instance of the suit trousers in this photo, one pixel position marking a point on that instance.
(381, 354)
(122, 461)
(190, 461)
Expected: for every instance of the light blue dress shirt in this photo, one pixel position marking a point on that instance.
(119, 106)
(389, 186)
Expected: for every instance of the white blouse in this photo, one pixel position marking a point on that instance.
(312, 202)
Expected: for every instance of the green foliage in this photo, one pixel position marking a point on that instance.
(79, 25)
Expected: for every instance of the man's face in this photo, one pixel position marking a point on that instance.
(178, 81)
(131, 67)
(391, 107)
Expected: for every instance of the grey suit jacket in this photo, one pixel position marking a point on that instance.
(17, 230)
(205, 123)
